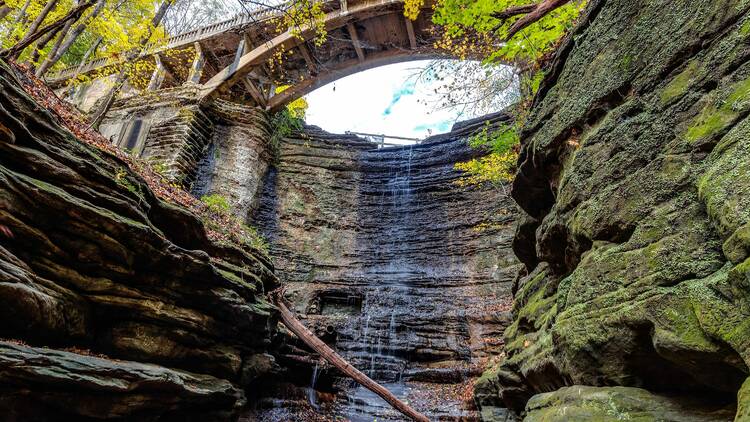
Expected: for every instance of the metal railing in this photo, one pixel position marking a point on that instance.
(379, 139)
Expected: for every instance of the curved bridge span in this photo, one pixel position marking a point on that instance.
(231, 59)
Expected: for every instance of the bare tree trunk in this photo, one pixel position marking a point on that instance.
(51, 4)
(22, 13)
(66, 40)
(120, 81)
(4, 11)
(88, 54)
(18, 21)
(334, 359)
(34, 58)
(74, 15)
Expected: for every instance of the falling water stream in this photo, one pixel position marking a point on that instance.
(389, 227)
(390, 231)
(311, 395)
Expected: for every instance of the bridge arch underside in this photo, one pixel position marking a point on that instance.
(367, 35)
(234, 59)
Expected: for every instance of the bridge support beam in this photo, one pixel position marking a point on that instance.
(238, 54)
(410, 32)
(308, 59)
(355, 41)
(160, 73)
(255, 92)
(196, 71)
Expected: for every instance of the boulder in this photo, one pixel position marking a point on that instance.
(38, 384)
(602, 404)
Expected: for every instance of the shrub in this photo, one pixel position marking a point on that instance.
(216, 203)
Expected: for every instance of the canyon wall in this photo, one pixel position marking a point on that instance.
(115, 304)
(388, 259)
(635, 184)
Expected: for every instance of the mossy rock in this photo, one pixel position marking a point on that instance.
(603, 404)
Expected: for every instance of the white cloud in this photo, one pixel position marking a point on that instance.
(381, 101)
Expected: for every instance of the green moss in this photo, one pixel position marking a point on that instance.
(251, 237)
(709, 122)
(713, 119)
(737, 247)
(684, 326)
(121, 177)
(626, 62)
(234, 278)
(738, 98)
(602, 404)
(743, 402)
(745, 28)
(78, 202)
(679, 85)
(538, 308)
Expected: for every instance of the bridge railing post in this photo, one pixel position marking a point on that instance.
(157, 78)
(196, 71)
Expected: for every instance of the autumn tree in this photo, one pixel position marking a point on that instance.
(111, 26)
(496, 34)
(37, 31)
(66, 39)
(130, 55)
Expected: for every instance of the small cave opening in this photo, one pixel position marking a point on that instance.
(336, 303)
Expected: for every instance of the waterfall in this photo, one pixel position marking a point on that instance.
(392, 327)
(311, 395)
(391, 227)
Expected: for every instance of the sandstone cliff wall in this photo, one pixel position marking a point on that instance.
(634, 181)
(117, 304)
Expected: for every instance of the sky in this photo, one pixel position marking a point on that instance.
(385, 100)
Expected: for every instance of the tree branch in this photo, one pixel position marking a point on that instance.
(4, 11)
(74, 14)
(515, 11)
(538, 13)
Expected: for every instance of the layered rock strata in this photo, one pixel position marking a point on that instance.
(404, 271)
(237, 157)
(634, 179)
(157, 320)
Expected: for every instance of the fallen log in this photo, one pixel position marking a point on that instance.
(295, 326)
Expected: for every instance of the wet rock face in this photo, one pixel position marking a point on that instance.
(634, 179)
(405, 272)
(237, 157)
(93, 260)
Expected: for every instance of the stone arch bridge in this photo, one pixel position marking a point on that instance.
(230, 59)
